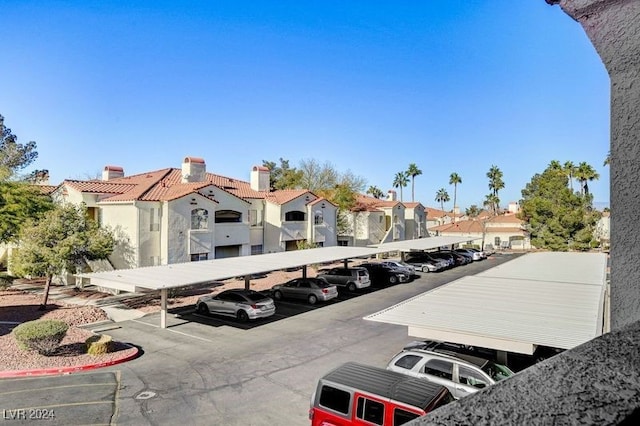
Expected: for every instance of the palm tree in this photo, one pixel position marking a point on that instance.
(442, 197)
(570, 170)
(454, 180)
(412, 172)
(492, 202)
(585, 173)
(495, 185)
(375, 192)
(607, 160)
(400, 181)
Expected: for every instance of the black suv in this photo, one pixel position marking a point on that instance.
(382, 275)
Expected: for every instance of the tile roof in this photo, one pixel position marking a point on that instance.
(161, 185)
(46, 189)
(465, 226)
(375, 203)
(283, 196)
(506, 218)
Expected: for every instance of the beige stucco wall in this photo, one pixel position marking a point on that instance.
(123, 219)
(272, 221)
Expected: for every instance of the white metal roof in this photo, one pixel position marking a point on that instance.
(550, 299)
(189, 273)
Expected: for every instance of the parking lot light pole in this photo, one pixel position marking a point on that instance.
(163, 308)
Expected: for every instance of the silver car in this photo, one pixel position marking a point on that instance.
(408, 269)
(310, 289)
(461, 374)
(238, 303)
(352, 278)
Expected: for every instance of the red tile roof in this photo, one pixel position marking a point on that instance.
(375, 203)
(285, 195)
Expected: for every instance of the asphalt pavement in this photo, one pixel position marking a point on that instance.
(204, 370)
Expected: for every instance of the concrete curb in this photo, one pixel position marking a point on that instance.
(69, 370)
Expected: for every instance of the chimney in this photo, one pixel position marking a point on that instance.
(260, 178)
(112, 172)
(391, 195)
(193, 170)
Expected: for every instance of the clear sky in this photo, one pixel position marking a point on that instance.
(368, 86)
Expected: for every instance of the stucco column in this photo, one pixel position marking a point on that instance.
(614, 29)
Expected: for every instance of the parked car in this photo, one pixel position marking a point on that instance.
(425, 263)
(516, 361)
(475, 255)
(403, 266)
(449, 258)
(238, 303)
(357, 394)
(381, 274)
(350, 278)
(310, 289)
(461, 258)
(462, 374)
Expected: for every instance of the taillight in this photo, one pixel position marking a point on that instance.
(310, 413)
(254, 306)
(325, 290)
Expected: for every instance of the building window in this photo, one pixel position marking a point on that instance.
(497, 241)
(228, 216)
(257, 249)
(196, 257)
(294, 216)
(255, 217)
(343, 243)
(318, 219)
(199, 219)
(154, 219)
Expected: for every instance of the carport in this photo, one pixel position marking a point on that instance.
(176, 275)
(547, 299)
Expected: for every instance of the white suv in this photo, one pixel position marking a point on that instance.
(461, 374)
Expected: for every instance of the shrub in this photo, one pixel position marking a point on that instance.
(43, 336)
(99, 344)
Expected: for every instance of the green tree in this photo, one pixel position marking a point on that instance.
(607, 159)
(442, 196)
(491, 202)
(400, 181)
(495, 185)
(282, 176)
(556, 217)
(375, 192)
(454, 180)
(61, 241)
(19, 202)
(585, 174)
(412, 172)
(13, 155)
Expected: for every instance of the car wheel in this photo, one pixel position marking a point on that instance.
(351, 287)
(312, 299)
(425, 269)
(277, 295)
(393, 279)
(243, 316)
(203, 308)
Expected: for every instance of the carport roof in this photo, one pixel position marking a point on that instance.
(549, 299)
(191, 273)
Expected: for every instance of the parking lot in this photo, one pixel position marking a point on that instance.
(210, 370)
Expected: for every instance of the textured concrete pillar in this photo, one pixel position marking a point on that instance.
(614, 29)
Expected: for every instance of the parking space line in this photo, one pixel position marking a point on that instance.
(70, 404)
(176, 331)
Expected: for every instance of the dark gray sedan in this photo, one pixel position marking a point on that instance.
(309, 289)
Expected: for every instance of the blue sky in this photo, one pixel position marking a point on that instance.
(368, 86)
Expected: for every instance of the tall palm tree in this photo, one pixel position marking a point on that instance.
(570, 170)
(375, 192)
(454, 180)
(495, 185)
(412, 172)
(585, 173)
(400, 181)
(442, 197)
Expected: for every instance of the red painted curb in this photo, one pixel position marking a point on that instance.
(67, 370)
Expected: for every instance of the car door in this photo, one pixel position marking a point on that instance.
(217, 304)
(470, 381)
(230, 304)
(291, 289)
(438, 371)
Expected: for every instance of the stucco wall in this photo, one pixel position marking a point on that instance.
(123, 219)
(613, 27)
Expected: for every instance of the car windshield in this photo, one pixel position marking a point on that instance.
(497, 371)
